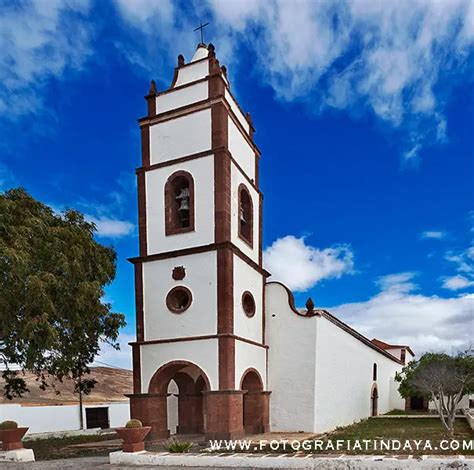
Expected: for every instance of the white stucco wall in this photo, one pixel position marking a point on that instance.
(182, 97)
(200, 53)
(396, 400)
(249, 356)
(236, 179)
(203, 353)
(201, 279)
(319, 374)
(243, 154)
(291, 363)
(181, 136)
(202, 171)
(236, 110)
(247, 279)
(192, 72)
(61, 418)
(344, 367)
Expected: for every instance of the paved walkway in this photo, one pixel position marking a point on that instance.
(66, 464)
(326, 463)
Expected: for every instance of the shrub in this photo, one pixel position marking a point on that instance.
(178, 447)
(134, 423)
(8, 425)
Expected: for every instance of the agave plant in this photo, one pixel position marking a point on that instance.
(178, 447)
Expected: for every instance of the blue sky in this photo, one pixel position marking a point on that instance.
(364, 116)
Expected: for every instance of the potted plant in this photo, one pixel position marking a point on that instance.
(11, 435)
(133, 435)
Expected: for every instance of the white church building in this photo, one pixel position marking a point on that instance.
(210, 325)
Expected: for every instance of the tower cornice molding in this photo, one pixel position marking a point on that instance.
(198, 338)
(195, 156)
(200, 106)
(200, 249)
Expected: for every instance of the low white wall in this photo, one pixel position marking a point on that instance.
(61, 417)
(344, 380)
(464, 403)
(320, 375)
(291, 363)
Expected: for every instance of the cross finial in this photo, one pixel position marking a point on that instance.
(200, 28)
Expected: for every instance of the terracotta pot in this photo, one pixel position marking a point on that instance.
(133, 438)
(11, 438)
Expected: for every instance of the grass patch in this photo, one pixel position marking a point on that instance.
(407, 429)
(403, 429)
(60, 447)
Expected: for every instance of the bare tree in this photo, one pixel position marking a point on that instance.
(444, 379)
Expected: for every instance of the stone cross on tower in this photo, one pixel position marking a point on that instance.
(200, 28)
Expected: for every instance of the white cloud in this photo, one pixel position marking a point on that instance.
(111, 228)
(464, 264)
(301, 266)
(40, 40)
(386, 57)
(138, 11)
(400, 282)
(154, 32)
(457, 282)
(110, 356)
(383, 57)
(463, 260)
(437, 235)
(399, 315)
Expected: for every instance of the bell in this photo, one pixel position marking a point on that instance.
(184, 206)
(183, 193)
(183, 197)
(242, 216)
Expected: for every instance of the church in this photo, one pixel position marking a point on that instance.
(214, 334)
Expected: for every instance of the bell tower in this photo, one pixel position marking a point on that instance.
(199, 280)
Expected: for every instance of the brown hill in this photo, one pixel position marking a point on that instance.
(112, 385)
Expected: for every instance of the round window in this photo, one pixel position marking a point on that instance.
(248, 303)
(179, 299)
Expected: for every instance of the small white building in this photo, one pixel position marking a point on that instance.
(239, 356)
(47, 412)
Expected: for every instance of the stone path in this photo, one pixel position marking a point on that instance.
(232, 461)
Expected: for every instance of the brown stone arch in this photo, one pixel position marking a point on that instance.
(175, 181)
(374, 400)
(191, 381)
(251, 380)
(256, 402)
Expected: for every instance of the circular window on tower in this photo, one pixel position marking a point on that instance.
(248, 304)
(179, 299)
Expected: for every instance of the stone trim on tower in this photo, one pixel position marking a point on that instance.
(228, 162)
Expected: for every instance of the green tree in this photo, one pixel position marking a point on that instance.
(52, 279)
(443, 379)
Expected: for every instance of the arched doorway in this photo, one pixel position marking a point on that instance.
(190, 381)
(253, 402)
(172, 406)
(374, 398)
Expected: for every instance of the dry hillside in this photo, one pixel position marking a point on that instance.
(112, 385)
